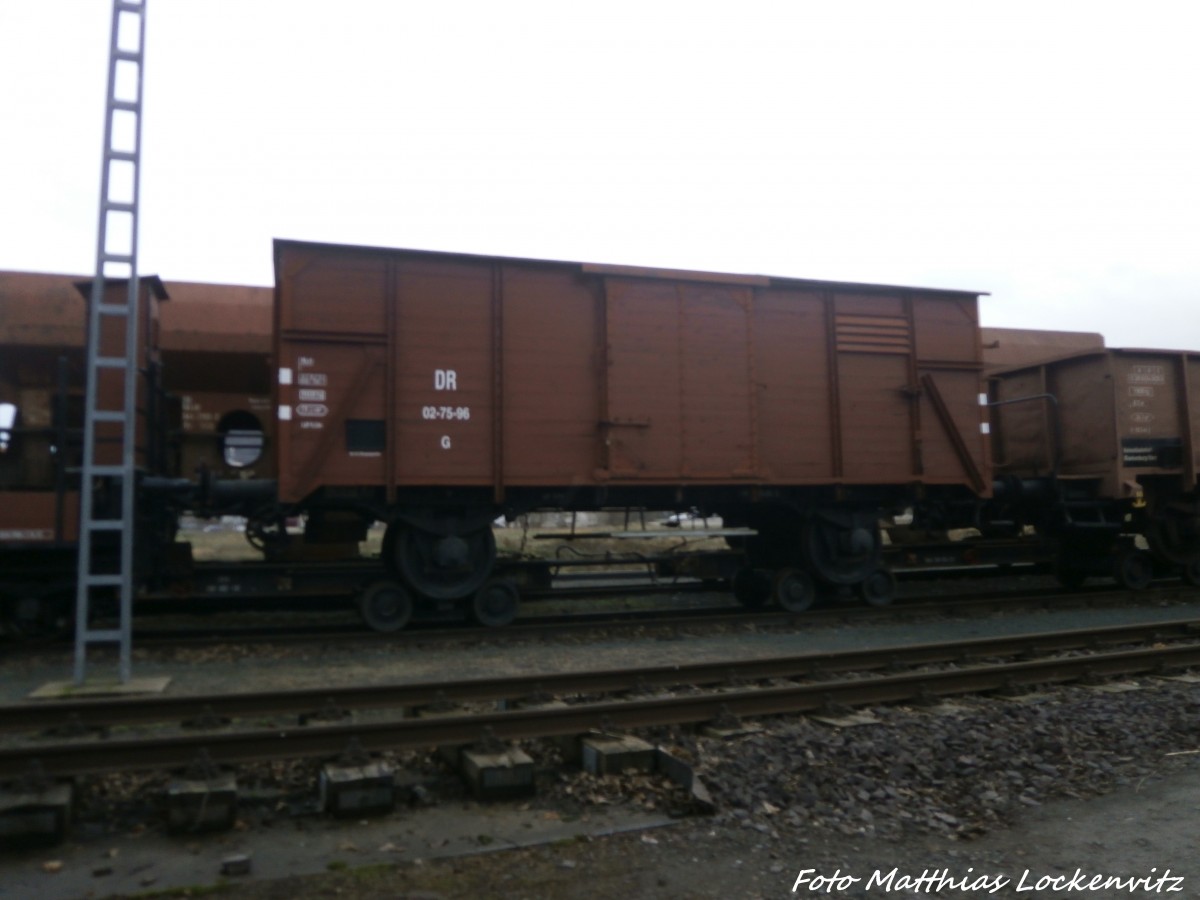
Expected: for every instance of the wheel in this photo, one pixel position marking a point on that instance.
(1134, 570)
(794, 590)
(385, 606)
(266, 531)
(1174, 537)
(444, 566)
(878, 588)
(496, 603)
(842, 555)
(1191, 573)
(751, 587)
(35, 616)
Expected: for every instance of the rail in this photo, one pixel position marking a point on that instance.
(79, 757)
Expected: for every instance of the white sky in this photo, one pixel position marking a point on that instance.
(1047, 152)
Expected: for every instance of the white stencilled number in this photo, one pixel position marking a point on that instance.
(446, 413)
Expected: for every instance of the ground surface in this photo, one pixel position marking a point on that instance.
(1139, 831)
(983, 789)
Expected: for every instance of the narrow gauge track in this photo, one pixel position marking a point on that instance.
(715, 617)
(963, 675)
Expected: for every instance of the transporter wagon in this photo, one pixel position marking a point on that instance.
(1101, 450)
(437, 391)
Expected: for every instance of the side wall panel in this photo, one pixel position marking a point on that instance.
(680, 403)
(1084, 388)
(643, 419)
(716, 362)
(793, 391)
(552, 376)
(1023, 436)
(444, 372)
(875, 382)
(330, 352)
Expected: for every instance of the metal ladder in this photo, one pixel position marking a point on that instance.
(102, 529)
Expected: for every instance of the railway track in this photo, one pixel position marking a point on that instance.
(715, 618)
(703, 692)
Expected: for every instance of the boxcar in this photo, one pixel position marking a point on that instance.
(434, 391)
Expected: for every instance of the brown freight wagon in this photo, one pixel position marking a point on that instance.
(1108, 440)
(435, 391)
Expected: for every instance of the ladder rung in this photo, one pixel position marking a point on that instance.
(127, 105)
(116, 257)
(128, 55)
(103, 580)
(109, 362)
(105, 470)
(107, 635)
(108, 415)
(113, 309)
(123, 155)
(106, 525)
(118, 206)
(133, 6)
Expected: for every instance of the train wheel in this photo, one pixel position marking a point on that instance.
(794, 590)
(752, 587)
(841, 554)
(496, 604)
(39, 616)
(1174, 537)
(1134, 570)
(444, 566)
(266, 531)
(385, 606)
(878, 588)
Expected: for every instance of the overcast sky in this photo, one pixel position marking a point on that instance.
(1045, 152)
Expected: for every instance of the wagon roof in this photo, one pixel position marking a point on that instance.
(199, 314)
(48, 309)
(1097, 351)
(1008, 348)
(625, 271)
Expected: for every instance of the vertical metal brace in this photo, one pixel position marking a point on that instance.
(117, 525)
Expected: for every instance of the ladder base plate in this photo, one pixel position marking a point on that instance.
(100, 687)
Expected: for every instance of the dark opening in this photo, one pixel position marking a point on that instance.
(365, 435)
(241, 438)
